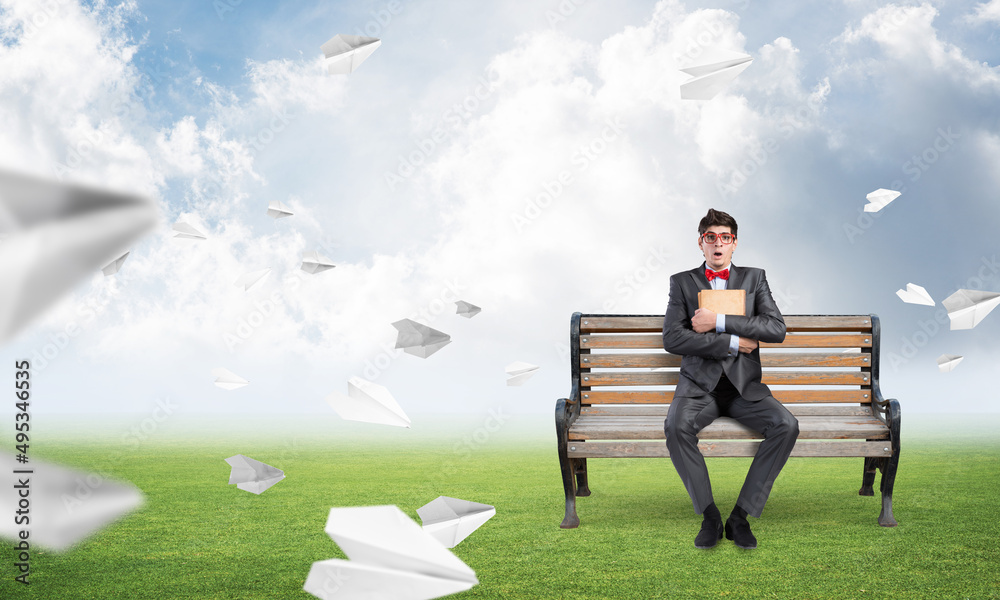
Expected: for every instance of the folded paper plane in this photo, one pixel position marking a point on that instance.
(313, 262)
(277, 210)
(878, 199)
(55, 236)
(247, 281)
(369, 403)
(518, 372)
(344, 53)
(714, 70)
(187, 232)
(914, 294)
(451, 520)
(252, 475)
(966, 308)
(948, 362)
(114, 266)
(228, 380)
(419, 340)
(390, 558)
(66, 505)
(467, 310)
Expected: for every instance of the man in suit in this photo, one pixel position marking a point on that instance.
(720, 376)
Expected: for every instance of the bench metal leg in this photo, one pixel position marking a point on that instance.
(889, 465)
(571, 520)
(582, 489)
(868, 476)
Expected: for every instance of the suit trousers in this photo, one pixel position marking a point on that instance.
(687, 416)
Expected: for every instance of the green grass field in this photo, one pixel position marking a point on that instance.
(197, 537)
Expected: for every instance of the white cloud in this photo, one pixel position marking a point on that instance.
(986, 12)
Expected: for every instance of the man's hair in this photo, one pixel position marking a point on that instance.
(716, 218)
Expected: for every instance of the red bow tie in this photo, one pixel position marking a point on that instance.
(710, 274)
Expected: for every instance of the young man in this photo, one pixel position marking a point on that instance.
(720, 376)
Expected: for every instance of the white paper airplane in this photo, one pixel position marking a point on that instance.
(419, 340)
(277, 210)
(344, 53)
(228, 380)
(914, 294)
(66, 505)
(187, 231)
(248, 280)
(252, 475)
(467, 310)
(114, 266)
(966, 308)
(878, 199)
(712, 73)
(451, 520)
(391, 558)
(313, 262)
(518, 372)
(948, 362)
(55, 236)
(369, 403)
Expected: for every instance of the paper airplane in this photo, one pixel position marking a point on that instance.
(391, 558)
(451, 520)
(313, 262)
(518, 372)
(712, 73)
(228, 380)
(277, 210)
(252, 475)
(369, 403)
(187, 232)
(914, 294)
(247, 281)
(966, 308)
(114, 266)
(344, 53)
(948, 362)
(55, 236)
(878, 199)
(66, 505)
(419, 340)
(467, 310)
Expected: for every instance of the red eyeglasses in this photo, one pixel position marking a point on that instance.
(710, 237)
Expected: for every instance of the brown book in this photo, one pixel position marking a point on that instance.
(723, 302)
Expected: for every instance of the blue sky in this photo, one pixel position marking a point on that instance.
(411, 174)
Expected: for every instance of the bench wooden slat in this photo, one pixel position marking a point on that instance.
(666, 396)
(660, 410)
(651, 428)
(767, 359)
(645, 324)
(658, 449)
(768, 378)
(792, 340)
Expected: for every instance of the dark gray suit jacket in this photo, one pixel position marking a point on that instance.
(705, 354)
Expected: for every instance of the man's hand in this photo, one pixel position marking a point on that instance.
(703, 320)
(747, 345)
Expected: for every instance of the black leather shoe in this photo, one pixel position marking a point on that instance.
(738, 530)
(710, 534)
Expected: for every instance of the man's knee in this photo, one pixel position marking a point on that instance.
(677, 427)
(788, 426)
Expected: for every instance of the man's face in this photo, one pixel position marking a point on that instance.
(717, 254)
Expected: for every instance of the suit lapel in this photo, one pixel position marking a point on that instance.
(698, 274)
(735, 277)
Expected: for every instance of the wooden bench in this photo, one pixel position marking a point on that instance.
(826, 372)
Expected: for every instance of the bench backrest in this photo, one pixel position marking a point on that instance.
(825, 359)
